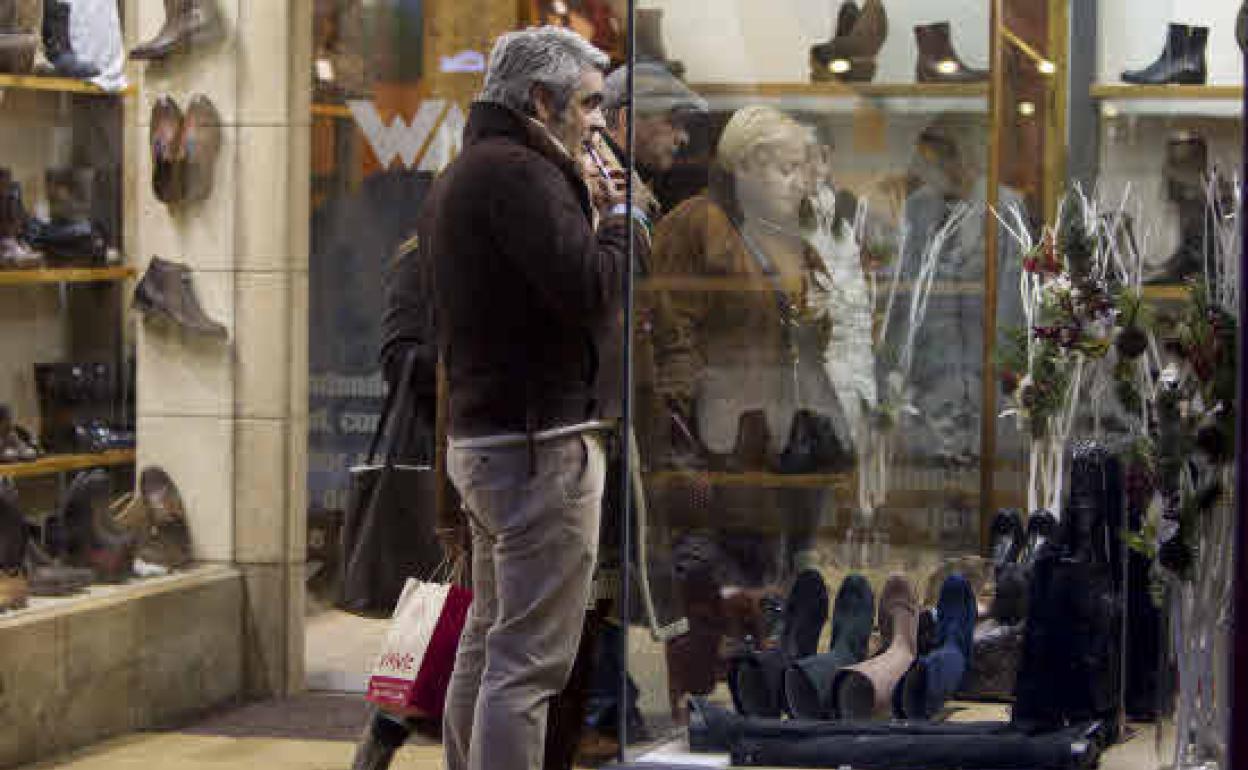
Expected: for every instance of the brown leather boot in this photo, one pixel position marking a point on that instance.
(850, 56)
(937, 61)
(156, 518)
(188, 24)
(201, 144)
(167, 290)
(18, 38)
(15, 252)
(866, 690)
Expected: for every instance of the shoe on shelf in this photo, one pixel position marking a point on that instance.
(56, 42)
(15, 252)
(156, 518)
(808, 682)
(937, 60)
(14, 586)
(1007, 537)
(94, 541)
(851, 53)
(865, 690)
(167, 290)
(1181, 62)
(16, 445)
(936, 676)
(165, 141)
(188, 24)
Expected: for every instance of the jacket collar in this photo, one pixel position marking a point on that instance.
(490, 120)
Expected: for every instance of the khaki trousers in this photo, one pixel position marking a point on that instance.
(535, 543)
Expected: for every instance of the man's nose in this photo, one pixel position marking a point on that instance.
(596, 120)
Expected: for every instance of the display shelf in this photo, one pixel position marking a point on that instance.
(715, 283)
(45, 275)
(847, 90)
(330, 110)
(759, 479)
(1125, 92)
(52, 464)
(58, 85)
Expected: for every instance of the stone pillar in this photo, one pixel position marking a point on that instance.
(229, 420)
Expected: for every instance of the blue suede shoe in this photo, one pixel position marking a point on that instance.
(933, 678)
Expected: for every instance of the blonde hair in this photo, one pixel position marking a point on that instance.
(755, 127)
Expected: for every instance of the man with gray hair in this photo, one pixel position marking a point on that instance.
(530, 260)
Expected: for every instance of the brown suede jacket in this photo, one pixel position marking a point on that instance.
(528, 293)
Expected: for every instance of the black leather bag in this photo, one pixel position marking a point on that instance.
(388, 535)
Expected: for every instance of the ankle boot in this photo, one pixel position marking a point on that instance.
(1186, 166)
(937, 60)
(650, 45)
(71, 237)
(753, 440)
(18, 38)
(936, 676)
(850, 55)
(167, 290)
(808, 682)
(188, 24)
(992, 672)
(1182, 61)
(14, 587)
(866, 689)
(93, 540)
(156, 521)
(56, 45)
(15, 252)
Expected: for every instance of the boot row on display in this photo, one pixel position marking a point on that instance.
(69, 238)
(1050, 640)
(91, 538)
(850, 56)
(77, 402)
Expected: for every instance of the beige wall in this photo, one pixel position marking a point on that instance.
(228, 420)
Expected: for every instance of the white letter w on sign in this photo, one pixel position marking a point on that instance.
(427, 144)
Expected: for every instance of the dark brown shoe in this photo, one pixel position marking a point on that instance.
(201, 143)
(850, 55)
(156, 517)
(938, 62)
(188, 24)
(94, 541)
(167, 290)
(165, 138)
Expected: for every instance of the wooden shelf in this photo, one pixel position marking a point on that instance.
(58, 85)
(45, 275)
(761, 479)
(1125, 91)
(846, 90)
(52, 464)
(740, 283)
(328, 110)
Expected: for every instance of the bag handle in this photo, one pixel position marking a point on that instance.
(397, 403)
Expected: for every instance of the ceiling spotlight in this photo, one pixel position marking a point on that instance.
(839, 66)
(1046, 67)
(1026, 109)
(947, 66)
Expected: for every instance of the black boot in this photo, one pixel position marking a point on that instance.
(1182, 61)
(92, 539)
(71, 237)
(937, 60)
(56, 43)
(1007, 537)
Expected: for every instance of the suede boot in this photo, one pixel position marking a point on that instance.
(851, 54)
(1181, 62)
(201, 144)
(19, 38)
(188, 24)
(935, 677)
(808, 682)
(865, 690)
(167, 290)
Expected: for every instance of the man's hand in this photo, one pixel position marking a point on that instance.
(603, 191)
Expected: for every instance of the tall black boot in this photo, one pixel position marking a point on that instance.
(56, 43)
(1182, 61)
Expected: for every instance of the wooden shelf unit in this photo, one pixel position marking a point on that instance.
(1182, 93)
(58, 85)
(846, 90)
(46, 275)
(760, 479)
(330, 110)
(53, 464)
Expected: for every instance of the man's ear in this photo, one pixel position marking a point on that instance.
(542, 103)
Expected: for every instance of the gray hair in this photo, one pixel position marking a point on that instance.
(550, 56)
